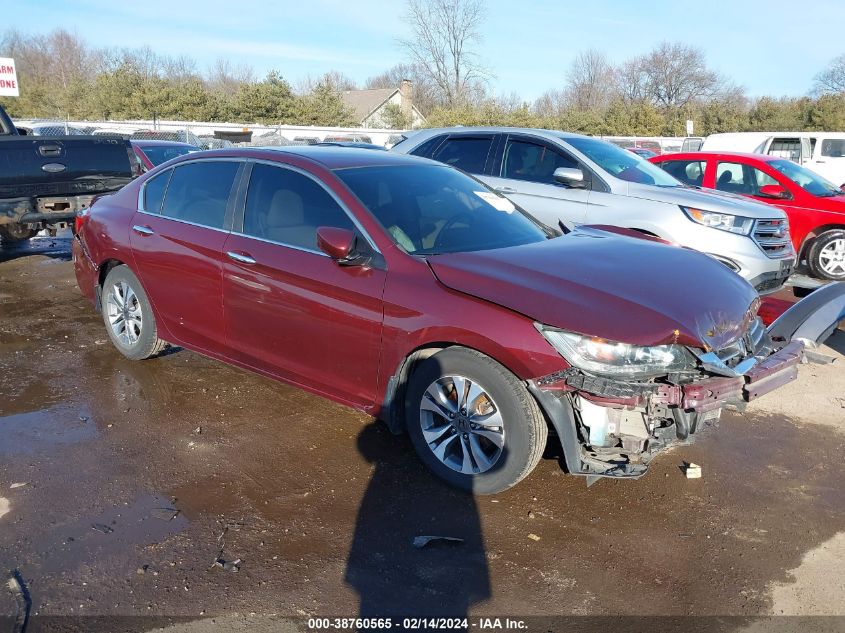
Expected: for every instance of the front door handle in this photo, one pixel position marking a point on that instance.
(505, 189)
(142, 230)
(242, 258)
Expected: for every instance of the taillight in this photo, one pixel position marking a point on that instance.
(80, 220)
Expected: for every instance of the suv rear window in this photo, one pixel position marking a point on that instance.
(468, 153)
(833, 147)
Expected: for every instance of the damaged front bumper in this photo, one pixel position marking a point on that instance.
(613, 428)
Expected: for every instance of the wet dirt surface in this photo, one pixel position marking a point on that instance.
(139, 476)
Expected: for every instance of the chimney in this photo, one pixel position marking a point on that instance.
(406, 101)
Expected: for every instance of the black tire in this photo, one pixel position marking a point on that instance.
(525, 430)
(16, 232)
(143, 341)
(814, 256)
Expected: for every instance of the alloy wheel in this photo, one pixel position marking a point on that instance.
(462, 425)
(832, 257)
(124, 313)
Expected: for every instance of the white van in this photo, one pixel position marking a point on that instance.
(823, 152)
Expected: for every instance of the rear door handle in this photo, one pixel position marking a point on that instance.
(243, 258)
(505, 189)
(142, 230)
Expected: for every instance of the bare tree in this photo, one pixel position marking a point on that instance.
(224, 77)
(590, 81)
(443, 32)
(675, 75)
(334, 79)
(552, 103)
(832, 78)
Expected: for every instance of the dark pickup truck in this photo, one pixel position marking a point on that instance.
(46, 180)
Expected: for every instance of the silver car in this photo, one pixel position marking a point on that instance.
(575, 179)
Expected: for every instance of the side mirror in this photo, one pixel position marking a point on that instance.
(773, 191)
(22, 131)
(338, 244)
(570, 176)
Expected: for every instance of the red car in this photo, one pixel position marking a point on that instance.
(407, 289)
(153, 153)
(814, 206)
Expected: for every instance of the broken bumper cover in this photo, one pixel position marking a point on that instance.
(633, 421)
(713, 393)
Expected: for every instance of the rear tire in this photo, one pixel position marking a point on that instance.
(16, 232)
(128, 315)
(485, 442)
(827, 256)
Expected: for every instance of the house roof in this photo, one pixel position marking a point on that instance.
(365, 102)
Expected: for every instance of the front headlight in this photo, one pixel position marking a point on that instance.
(722, 221)
(609, 358)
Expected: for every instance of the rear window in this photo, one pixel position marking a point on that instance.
(159, 154)
(465, 152)
(199, 192)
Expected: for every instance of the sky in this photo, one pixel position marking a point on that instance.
(770, 47)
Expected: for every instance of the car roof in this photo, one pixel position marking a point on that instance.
(151, 142)
(550, 134)
(763, 158)
(329, 156)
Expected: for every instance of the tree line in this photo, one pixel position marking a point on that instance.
(652, 94)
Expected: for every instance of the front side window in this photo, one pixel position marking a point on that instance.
(199, 192)
(533, 162)
(741, 179)
(690, 172)
(468, 153)
(285, 206)
(621, 163)
(154, 192)
(431, 209)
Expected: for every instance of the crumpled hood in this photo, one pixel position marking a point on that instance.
(600, 283)
(706, 199)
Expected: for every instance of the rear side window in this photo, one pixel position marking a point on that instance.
(199, 192)
(742, 179)
(833, 147)
(690, 172)
(465, 152)
(285, 206)
(533, 162)
(154, 192)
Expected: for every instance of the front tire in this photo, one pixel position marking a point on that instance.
(472, 422)
(827, 256)
(128, 315)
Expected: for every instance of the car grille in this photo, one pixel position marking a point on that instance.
(772, 236)
(755, 342)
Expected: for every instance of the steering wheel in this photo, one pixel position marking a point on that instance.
(449, 224)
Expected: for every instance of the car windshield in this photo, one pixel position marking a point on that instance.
(809, 181)
(159, 154)
(622, 163)
(432, 209)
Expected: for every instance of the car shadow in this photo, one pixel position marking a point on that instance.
(403, 501)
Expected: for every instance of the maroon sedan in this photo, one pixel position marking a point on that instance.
(409, 290)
